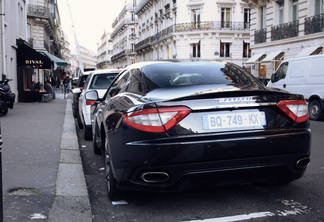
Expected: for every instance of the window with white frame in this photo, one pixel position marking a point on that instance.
(263, 17)
(294, 10)
(133, 16)
(281, 10)
(225, 49)
(133, 47)
(195, 50)
(196, 16)
(246, 50)
(319, 7)
(247, 18)
(226, 18)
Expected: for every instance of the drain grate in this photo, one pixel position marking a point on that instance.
(24, 191)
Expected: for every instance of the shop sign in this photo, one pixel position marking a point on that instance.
(33, 62)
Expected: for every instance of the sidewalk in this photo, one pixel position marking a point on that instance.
(43, 177)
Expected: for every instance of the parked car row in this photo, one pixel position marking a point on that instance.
(98, 81)
(170, 126)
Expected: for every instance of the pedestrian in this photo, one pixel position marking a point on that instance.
(53, 83)
(66, 82)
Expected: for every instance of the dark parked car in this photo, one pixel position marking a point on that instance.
(218, 126)
(76, 91)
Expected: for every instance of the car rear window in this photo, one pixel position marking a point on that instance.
(182, 74)
(102, 81)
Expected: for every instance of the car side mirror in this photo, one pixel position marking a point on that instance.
(76, 90)
(273, 78)
(92, 95)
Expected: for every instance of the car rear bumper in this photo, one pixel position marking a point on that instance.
(179, 166)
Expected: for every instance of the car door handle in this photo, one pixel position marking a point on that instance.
(284, 85)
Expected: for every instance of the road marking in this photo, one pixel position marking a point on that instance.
(237, 217)
(296, 208)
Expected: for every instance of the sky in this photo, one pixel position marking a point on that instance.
(90, 18)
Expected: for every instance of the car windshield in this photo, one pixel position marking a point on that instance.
(102, 81)
(180, 74)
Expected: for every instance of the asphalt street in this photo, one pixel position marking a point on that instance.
(42, 170)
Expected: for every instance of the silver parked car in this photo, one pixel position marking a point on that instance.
(99, 81)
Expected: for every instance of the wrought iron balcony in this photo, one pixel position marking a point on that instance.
(314, 24)
(260, 36)
(284, 31)
(188, 27)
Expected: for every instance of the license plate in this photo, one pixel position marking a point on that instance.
(253, 119)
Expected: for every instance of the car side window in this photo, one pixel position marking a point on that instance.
(282, 71)
(86, 81)
(136, 84)
(117, 85)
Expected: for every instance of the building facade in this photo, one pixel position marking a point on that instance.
(105, 51)
(193, 30)
(284, 29)
(13, 26)
(124, 36)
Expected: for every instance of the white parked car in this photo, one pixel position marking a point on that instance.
(98, 80)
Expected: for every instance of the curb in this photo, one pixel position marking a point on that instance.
(71, 201)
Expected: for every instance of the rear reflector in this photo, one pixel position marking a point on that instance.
(90, 102)
(157, 120)
(296, 110)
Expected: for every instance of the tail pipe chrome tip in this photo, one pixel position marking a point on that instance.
(302, 163)
(154, 177)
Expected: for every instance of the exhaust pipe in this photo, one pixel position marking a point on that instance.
(302, 163)
(154, 177)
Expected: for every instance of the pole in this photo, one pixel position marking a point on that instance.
(76, 40)
(1, 195)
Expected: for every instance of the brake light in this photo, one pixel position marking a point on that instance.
(296, 110)
(157, 120)
(90, 102)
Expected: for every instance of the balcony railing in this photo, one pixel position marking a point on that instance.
(314, 24)
(260, 36)
(121, 54)
(41, 11)
(38, 10)
(284, 31)
(186, 27)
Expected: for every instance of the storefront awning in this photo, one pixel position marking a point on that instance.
(27, 56)
(254, 58)
(307, 51)
(271, 56)
(57, 61)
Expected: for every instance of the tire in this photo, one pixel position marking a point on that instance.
(87, 132)
(4, 111)
(95, 147)
(112, 190)
(75, 114)
(315, 110)
(79, 121)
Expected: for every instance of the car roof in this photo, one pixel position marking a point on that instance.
(102, 71)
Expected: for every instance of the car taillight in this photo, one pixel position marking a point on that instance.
(90, 102)
(157, 120)
(296, 110)
(81, 89)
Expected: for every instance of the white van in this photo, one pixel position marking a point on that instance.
(303, 75)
